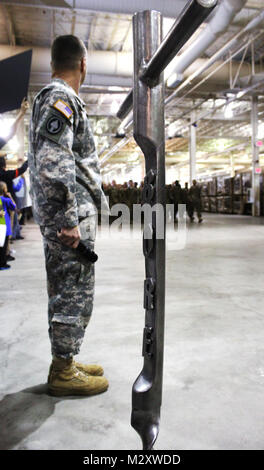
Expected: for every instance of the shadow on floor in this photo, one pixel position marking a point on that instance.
(23, 412)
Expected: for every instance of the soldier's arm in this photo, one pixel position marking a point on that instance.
(18, 172)
(55, 164)
(11, 205)
(22, 169)
(13, 129)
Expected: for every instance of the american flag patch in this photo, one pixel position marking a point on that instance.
(64, 108)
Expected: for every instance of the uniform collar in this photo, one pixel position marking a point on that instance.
(62, 82)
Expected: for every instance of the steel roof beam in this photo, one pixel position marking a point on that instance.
(9, 25)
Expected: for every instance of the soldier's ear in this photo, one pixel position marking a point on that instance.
(51, 66)
(83, 64)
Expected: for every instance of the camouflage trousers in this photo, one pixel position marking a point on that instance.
(195, 206)
(70, 286)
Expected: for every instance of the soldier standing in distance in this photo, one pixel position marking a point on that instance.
(176, 195)
(196, 201)
(186, 200)
(66, 189)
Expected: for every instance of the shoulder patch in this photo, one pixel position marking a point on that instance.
(64, 108)
(54, 125)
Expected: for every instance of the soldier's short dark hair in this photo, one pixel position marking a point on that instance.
(66, 52)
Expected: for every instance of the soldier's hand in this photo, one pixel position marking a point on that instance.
(69, 236)
(24, 106)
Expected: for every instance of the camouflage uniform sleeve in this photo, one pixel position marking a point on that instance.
(55, 161)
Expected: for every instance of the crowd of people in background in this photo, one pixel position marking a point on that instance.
(13, 199)
(130, 193)
(13, 193)
(13, 210)
(13, 196)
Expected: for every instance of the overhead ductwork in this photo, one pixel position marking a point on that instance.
(116, 67)
(218, 24)
(252, 79)
(166, 7)
(98, 62)
(105, 68)
(222, 75)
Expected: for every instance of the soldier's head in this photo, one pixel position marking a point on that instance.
(68, 55)
(186, 185)
(2, 162)
(194, 182)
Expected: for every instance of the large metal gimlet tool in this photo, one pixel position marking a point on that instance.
(151, 56)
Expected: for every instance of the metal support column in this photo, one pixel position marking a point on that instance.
(255, 158)
(192, 147)
(149, 134)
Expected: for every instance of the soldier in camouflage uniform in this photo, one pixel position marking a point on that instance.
(196, 201)
(186, 200)
(67, 193)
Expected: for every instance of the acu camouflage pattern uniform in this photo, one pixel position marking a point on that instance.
(66, 190)
(195, 200)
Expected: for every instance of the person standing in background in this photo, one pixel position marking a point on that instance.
(196, 201)
(7, 204)
(176, 197)
(17, 122)
(185, 199)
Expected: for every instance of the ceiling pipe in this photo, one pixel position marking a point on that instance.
(218, 24)
(207, 63)
(115, 149)
(98, 62)
(110, 65)
(251, 79)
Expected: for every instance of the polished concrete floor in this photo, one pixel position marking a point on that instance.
(214, 348)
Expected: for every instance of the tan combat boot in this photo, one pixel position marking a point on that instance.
(65, 379)
(89, 369)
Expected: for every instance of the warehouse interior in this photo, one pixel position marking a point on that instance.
(214, 131)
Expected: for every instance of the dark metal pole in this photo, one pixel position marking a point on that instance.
(126, 106)
(192, 16)
(149, 135)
